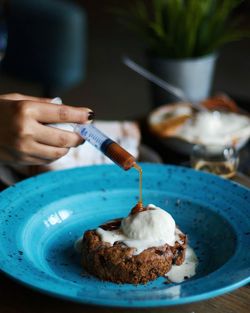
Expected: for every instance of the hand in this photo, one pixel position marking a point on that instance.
(24, 136)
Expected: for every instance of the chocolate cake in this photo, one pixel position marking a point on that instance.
(120, 264)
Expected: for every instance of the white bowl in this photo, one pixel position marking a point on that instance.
(180, 127)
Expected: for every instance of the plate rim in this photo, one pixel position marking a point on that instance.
(134, 303)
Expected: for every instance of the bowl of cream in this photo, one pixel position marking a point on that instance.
(180, 127)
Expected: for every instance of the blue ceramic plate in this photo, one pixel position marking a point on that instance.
(43, 216)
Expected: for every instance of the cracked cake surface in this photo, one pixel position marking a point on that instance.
(120, 262)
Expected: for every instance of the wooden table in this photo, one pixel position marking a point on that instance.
(15, 298)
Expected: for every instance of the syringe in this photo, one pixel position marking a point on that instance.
(106, 145)
(103, 143)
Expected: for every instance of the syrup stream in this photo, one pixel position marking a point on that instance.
(139, 169)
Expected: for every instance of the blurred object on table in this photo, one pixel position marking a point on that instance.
(194, 76)
(183, 40)
(221, 102)
(216, 159)
(148, 155)
(46, 43)
(3, 30)
(166, 120)
(242, 179)
(244, 166)
(127, 134)
(180, 127)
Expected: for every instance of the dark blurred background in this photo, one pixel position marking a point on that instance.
(107, 86)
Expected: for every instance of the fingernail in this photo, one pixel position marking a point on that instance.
(91, 115)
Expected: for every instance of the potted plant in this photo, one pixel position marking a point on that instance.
(182, 39)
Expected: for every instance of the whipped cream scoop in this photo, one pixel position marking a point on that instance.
(152, 224)
(150, 228)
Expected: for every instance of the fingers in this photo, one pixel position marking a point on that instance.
(10, 156)
(31, 142)
(45, 152)
(56, 137)
(27, 146)
(26, 160)
(46, 112)
(51, 113)
(18, 96)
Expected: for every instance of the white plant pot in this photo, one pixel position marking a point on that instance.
(193, 76)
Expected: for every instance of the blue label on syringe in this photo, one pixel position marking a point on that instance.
(94, 136)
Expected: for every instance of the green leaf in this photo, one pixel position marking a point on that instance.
(183, 28)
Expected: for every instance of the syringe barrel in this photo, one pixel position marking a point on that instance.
(93, 135)
(106, 145)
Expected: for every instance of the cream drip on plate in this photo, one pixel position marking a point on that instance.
(187, 269)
